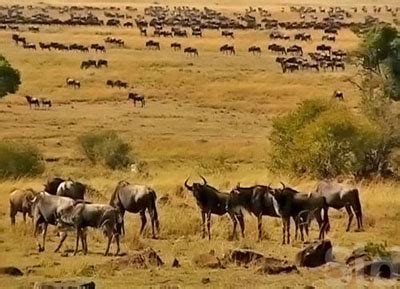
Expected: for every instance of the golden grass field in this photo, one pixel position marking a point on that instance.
(209, 115)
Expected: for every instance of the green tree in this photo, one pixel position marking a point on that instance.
(10, 78)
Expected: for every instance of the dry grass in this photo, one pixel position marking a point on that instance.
(209, 115)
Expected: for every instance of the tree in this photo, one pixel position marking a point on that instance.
(10, 78)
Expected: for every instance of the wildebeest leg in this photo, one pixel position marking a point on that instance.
(13, 212)
(259, 226)
(63, 236)
(351, 215)
(234, 221)
(116, 236)
(288, 230)
(153, 222)
(24, 216)
(209, 225)
(41, 248)
(203, 224)
(144, 221)
(110, 236)
(78, 235)
(241, 224)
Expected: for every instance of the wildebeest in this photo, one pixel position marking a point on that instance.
(227, 49)
(257, 200)
(295, 49)
(136, 97)
(73, 83)
(88, 63)
(82, 215)
(46, 210)
(337, 94)
(18, 39)
(46, 102)
(32, 100)
(176, 46)
(136, 199)
(101, 63)
(52, 185)
(212, 201)
(97, 47)
(151, 44)
(191, 51)
(277, 48)
(29, 46)
(255, 50)
(226, 33)
(338, 196)
(20, 201)
(72, 189)
(291, 203)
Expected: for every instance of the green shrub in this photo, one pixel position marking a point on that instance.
(106, 148)
(321, 139)
(18, 160)
(10, 78)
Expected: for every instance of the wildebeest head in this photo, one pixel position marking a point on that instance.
(195, 187)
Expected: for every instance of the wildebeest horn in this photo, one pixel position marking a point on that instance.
(204, 180)
(190, 188)
(283, 185)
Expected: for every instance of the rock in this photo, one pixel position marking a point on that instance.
(358, 255)
(143, 259)
(176, 264)
(276, 266)
(207, 260)
(61, 284)
(10, 270)
(315, 254)
(244, 257)
(205, 280)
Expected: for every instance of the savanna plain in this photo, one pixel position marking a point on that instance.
(208, 115)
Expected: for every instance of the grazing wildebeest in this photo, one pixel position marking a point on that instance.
(20, 201)
(329, 37)
(255, 50)
(71, 189)
(101, 63)
(176, 46)
(44, 46)
(143, 31)
(29, 46)
(257, 200)
(225, 33)
(121, 84)
(227, 49)
(46, 209)
(136, 97)
(136, 199)
(339, 196)
(52, 185)
(88, 63)
(291, 204)
(337, 94)
(73, 83)
(191, 51)
(82, 215)
(97, 47)
(32, 100)
(46, 103)
(324, 48)
(151, 44)
(212, 201)
(277, 48)
(295, 49)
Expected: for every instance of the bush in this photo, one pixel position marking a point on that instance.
(10, 78)
(18, 160)
(321, 139)
(106, 148)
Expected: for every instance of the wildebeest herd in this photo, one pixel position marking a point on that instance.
(62, 203)
(184, 21)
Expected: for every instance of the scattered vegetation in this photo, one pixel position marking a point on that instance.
(377, 249)
(10, 78)
(106, 148)
(19, 160)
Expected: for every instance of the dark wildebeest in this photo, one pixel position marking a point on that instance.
(255, 50)
(176, 46)
(20, 202)
(136, 97)
(29, 46)
(292, 204)
(110, 83)
(136, 199)
(339, 196)
(46, 209)
(257, 200)
(151, 44)
(73, 83)
(191, 51)
(32, 100)
(71, 189)
(227, 49)
(337, 94)
(212, 201)
(102, 62)
(88, 63)
(52, 185)
(46, 103)
(225, 33)
(81, 215)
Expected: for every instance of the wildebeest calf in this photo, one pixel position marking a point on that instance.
(20, 201)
